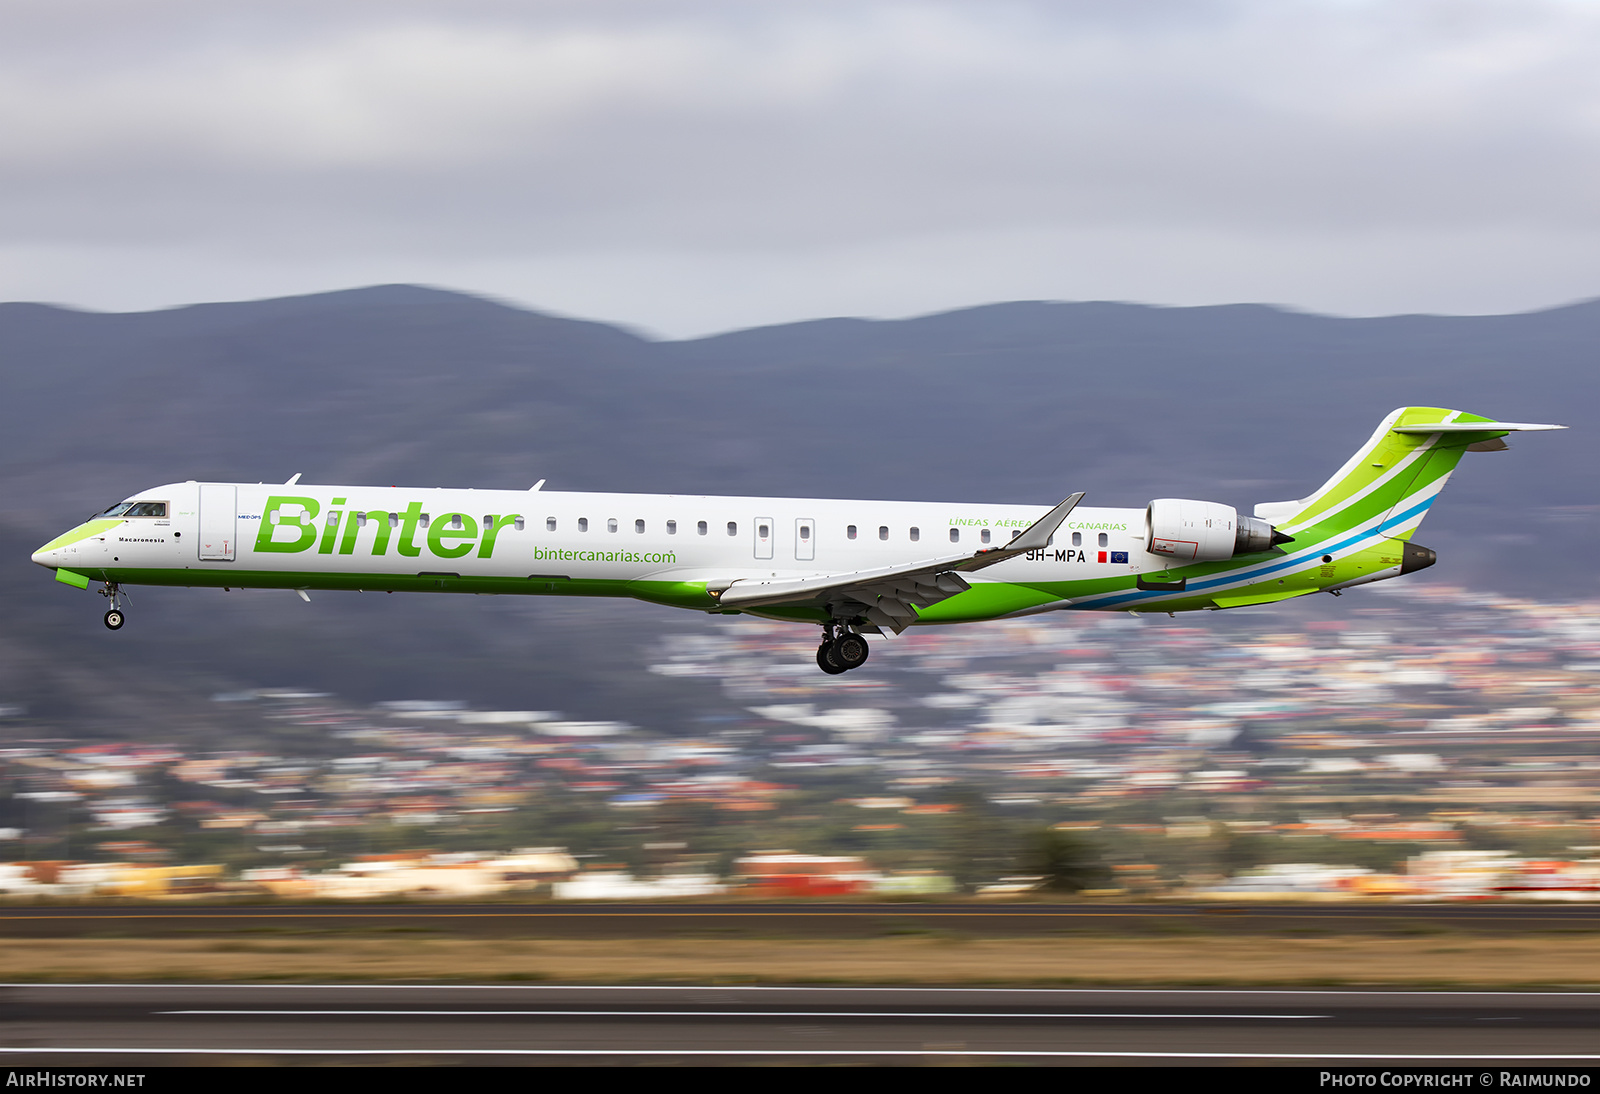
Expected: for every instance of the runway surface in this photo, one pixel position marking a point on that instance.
(799, 920)
(132, 1026)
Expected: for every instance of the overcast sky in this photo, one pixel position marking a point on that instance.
(690, 167)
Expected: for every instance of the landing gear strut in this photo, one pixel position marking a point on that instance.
(841, 650)
(113, 617)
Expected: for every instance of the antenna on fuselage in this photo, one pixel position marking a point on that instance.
(294, 478)
(535, 486)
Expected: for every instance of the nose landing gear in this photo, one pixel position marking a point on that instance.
(114, 617)
(841, 651)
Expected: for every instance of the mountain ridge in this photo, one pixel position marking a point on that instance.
(1014, 402)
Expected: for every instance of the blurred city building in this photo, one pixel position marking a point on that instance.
(1426, 743)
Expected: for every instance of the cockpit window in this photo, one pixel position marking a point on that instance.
(118, 509)
(147, 509)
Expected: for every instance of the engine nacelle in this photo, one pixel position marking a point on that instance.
(1205, 531)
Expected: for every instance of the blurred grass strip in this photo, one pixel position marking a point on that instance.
(1453, 960)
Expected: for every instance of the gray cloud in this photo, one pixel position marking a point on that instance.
(703, 165)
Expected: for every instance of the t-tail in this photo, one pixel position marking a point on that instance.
(1385, 489)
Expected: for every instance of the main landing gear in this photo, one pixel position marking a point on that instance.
(114, 617)
(841, 651)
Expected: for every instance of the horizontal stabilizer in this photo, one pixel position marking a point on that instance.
(1473, 427)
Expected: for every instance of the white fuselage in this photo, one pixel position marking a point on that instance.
(216, 529)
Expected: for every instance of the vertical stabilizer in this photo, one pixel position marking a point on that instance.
(1388, 485)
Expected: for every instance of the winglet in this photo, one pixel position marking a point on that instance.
(1038, 534)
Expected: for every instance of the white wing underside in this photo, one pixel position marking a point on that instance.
(889, 596)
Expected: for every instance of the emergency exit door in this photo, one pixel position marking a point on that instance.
(805, 539)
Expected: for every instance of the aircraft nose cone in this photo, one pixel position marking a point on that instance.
(55, 554)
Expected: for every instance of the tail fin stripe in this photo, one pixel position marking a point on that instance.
(1339, 505)
(1381, 492)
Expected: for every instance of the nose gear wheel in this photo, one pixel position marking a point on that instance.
(114, 618)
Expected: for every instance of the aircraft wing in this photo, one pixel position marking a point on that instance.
(888, 596)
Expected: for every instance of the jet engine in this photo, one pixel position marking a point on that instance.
(1205, 531)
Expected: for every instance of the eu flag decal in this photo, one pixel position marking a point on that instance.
(1119, 556)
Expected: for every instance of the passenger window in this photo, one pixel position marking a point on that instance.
(805, 531)
(456, 522)
(1105, 540)
(916, 534)
(1015, 532)
(984, 535)
(638, 526)
(850, 532)
(763, 532)
(394, 520)
(1077, 539)
(672, 527)
(733, 528)
(883, 531)
(549, 524)
(611, 524)
(519, 524)
(361, 520)
(583, 524)
(955, 535)
(701, 528)
(333, 518)
(424, 521)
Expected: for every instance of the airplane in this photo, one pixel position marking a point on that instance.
(853, 567)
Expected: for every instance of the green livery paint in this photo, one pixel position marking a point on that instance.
(298, 534)
(1391, 467)
(675, 594)
(454, 528)
(495, 525)
(851, 566)
(289, 526)
(80, 533)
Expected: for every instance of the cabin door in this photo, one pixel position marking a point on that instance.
(218, 523)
